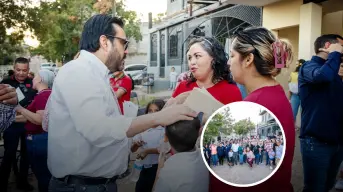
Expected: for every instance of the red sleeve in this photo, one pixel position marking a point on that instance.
(179, 89)
(41, 101)
(126, 84)
(233, 94)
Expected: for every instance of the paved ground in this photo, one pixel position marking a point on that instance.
(238, 173)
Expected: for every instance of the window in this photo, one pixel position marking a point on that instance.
(173, 45)
(153, 43)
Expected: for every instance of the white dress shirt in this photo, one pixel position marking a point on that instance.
(87, 133)
(152, 137)
(235, 147)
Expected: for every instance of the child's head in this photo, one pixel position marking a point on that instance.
(154, 106)
(183, 135)
(248, 149)
(172, 69)
(231, 150)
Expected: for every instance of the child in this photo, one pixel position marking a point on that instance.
(271, 155)
(148, 141)
(185, 170)
(172, 79)
(279, 149)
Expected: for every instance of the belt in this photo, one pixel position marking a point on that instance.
(83, 180)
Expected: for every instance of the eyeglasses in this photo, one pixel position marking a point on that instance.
(125, 41)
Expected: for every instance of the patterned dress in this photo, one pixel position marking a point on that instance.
(7, 116)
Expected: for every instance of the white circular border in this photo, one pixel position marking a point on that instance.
(234, 184)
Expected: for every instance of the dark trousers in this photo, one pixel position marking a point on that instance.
(11, 137)
(56, 185)
(146, 179)
(321, 163)
(37, 149)
(221, 160)
(257, 159)
(267, 158)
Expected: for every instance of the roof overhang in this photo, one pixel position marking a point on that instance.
(257, 3)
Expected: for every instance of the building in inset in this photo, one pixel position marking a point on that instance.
(268, 125)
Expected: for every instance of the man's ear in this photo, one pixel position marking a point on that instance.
(327, 45)
(103, 42)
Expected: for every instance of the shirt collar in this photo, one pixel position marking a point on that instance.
(318, 59)
(96, 62)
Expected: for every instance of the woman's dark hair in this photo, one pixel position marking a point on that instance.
(259, 41)
(96, 26)
(300, 61)
(220, 68)
(158, 102)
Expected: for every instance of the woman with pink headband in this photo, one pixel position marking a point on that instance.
(256, 58)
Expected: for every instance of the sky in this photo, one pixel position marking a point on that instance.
(243, 110)
(146, 6)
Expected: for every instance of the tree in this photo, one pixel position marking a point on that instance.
(212, 129)
(60, 25)
(243, 127)
(14, 15)
(227, 127)
(132, 23)
(159, 18)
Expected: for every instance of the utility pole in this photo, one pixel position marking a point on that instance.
(114, 8)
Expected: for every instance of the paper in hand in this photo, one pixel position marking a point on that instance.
(20, 94)
(200, 100)
(130, 109)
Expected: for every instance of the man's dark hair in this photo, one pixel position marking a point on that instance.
(21, 60)
(329, 38)
(96, 26)
(10, 72)
(183, 135)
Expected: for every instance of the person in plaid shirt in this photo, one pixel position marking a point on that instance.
(8, 99)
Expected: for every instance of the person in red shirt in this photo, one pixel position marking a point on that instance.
(253, 58)
(207, 63)
(37, 138)
(122, 86)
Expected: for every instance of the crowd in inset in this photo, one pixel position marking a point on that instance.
(249, 152)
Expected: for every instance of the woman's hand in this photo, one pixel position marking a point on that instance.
(19, 109)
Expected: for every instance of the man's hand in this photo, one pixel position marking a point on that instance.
(174, 114)
(335, 47)
(180, 99)
(8, 95)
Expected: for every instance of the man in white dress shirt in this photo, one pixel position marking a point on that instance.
(88, 136)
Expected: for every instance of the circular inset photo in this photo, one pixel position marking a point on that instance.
(243, 144)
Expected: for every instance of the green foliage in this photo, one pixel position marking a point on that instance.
(227, 127)
(243, 127)
(59, 25)
(159, 18)
(14, 15)
(214, 125)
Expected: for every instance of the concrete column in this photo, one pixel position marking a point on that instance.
(310, 28)
(158, 52)
(333, 23)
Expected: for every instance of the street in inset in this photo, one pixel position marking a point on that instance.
(243, 144)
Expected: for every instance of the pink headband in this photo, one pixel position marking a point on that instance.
(280, 61)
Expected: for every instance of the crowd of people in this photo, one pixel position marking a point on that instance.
(74, 135)
(245, 151)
